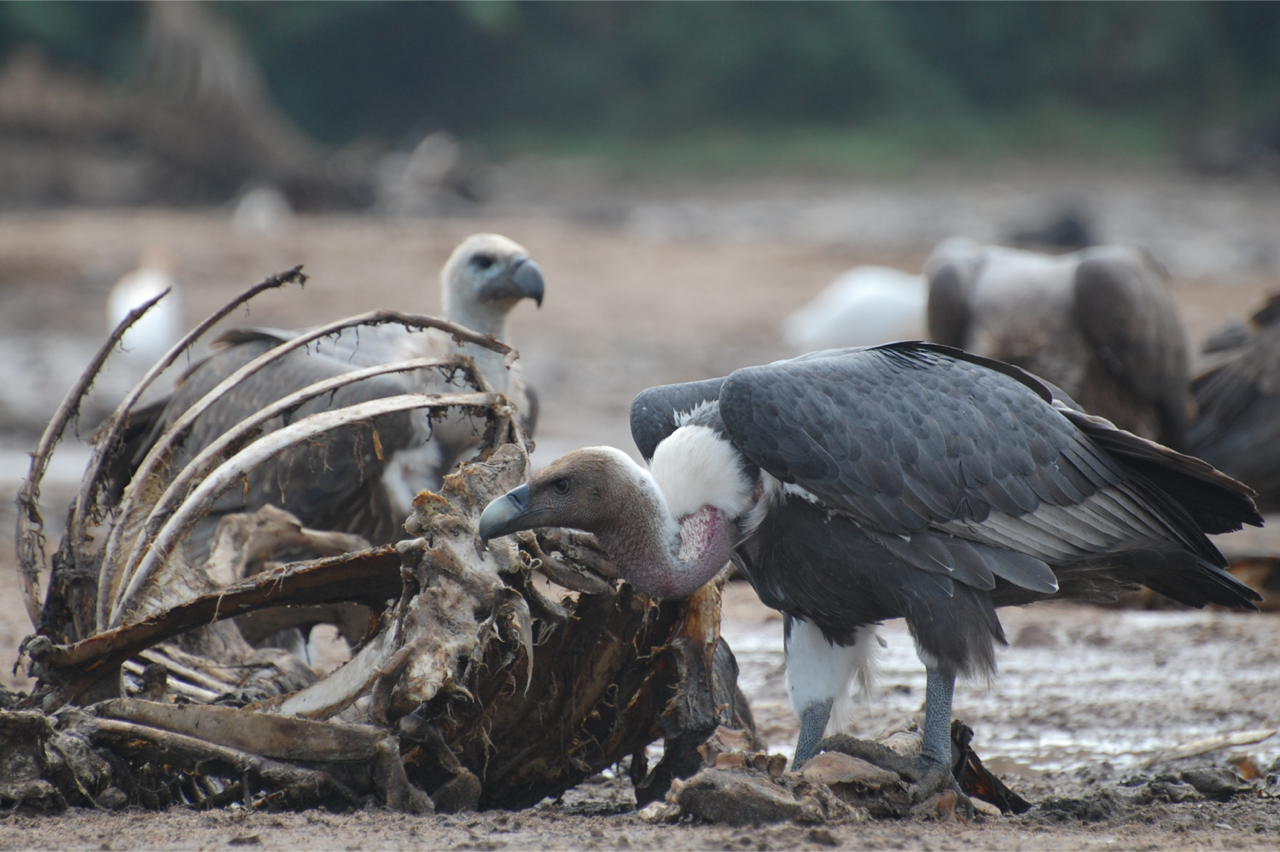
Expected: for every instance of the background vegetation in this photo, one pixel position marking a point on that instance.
(803, 82)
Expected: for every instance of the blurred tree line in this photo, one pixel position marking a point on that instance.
(503, 71)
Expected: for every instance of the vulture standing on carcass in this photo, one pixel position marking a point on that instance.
(348, 481)
(1239, 426)
(1098, 323)
(907, 480)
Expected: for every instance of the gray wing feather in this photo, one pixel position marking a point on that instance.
(911, 441)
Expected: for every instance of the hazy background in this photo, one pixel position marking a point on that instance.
(875, 89)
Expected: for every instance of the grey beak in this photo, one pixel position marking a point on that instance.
(523, 280)
(528, 279)
(504, 515)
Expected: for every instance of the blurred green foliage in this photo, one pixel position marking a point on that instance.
(820, 80)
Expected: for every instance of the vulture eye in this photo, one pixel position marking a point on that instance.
(561, 486)
(482, 261)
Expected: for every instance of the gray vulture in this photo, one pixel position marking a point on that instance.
(1098, 323)
(1239, 400)
(907, 480)
(349, 481)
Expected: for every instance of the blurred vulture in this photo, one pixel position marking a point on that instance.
(351, 480)
(148, 339)
(1098, 323)
(1239, 426)
(864, 306)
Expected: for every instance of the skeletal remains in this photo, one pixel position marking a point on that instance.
(468, 685)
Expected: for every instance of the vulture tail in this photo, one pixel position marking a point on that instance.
(1215, 501)
(1202, 584)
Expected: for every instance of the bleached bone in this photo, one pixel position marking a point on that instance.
(241, 540)
(30, 532)
(218, 450)
(109, 581)
(181, 687)
(228, 473)
(109, 434)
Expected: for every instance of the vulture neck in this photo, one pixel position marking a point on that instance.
(661, 555)
(488, 319)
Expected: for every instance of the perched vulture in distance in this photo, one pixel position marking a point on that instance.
(148, 339)
(1239, 426)
(1098, 323)
(864, 306)
(343, 482)
(907, 480)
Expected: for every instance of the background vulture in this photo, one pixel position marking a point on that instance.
(1239, 426)
(1098, 323)
(907, 480)
(346, 482)
(864, 306)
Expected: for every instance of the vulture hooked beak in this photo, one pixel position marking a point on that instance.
(522, 280)
(506, 514)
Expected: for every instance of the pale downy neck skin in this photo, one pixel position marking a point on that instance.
(696, 488)
(488, 318)
(660, 555)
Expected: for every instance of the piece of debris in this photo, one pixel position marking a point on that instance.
(1211, 744)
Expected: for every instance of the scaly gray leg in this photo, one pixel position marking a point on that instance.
(813, 722)
(931, 770)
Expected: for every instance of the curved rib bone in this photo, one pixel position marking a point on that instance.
(229, 472)
(217, 451)
(30, 532)
(108, 581)
(86, 499)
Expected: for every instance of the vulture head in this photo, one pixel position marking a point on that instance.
(484, 278)
(664, 550)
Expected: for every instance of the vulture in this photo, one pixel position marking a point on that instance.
(1238, 429)
(1098, 323)
(864, 306)
(909, 480)
(148, 339)
(346, 481)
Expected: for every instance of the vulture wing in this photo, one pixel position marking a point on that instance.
(657, 412)
(1239, 425)
(922, 446)
(1123, 308)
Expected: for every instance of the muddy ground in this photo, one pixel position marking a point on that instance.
(652, 282)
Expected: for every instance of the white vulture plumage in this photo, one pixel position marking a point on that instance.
(148, 339)
(1098, 323)
(1239, 401)
(864, 306)
(355, 480)
(910, 481)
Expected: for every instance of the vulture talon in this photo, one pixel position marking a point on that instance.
(934, 777)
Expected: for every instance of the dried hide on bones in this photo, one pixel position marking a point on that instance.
(470, 685)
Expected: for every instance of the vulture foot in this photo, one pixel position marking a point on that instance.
(924, 775)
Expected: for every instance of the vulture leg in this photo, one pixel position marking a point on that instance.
(931, 771)
(819, 672)
(935, 763)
